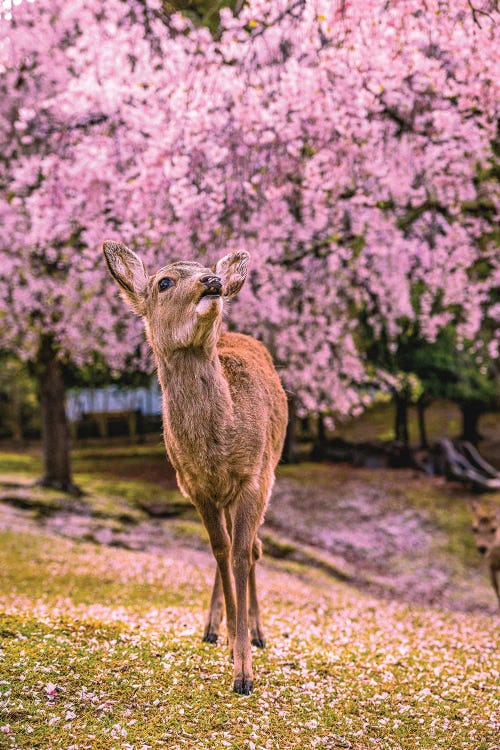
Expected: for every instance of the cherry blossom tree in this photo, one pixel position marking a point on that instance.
(66, 70)
(350, 168)
(346, 145)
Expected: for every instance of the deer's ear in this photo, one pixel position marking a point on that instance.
(129, 271)
(232, 269)
(474, 506)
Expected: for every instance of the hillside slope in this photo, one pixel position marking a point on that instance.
(397, 533)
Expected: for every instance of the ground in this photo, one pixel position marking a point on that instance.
(394, 533)
(381, 625)
(443, 419)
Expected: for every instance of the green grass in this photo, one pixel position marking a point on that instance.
(19, 463)
(116, 483)
(86, 578)
(314, 474)
(452, 515)
(133, 491)
(101, 648)
(443, 419)
(377, 423)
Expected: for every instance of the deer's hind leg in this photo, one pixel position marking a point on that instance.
(214, 619)
(215, 613)
(216, 609)
(256, 632)
(220, 542)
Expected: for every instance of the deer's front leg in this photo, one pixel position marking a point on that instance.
(246, 520)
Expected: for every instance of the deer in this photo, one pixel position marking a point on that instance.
(487, 536)
(224, 421)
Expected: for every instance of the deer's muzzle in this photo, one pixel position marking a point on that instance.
(213, 286)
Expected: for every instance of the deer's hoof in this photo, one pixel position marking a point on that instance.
(210, 638)
(259, 642)
(243, 686)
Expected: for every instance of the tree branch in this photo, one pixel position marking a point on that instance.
(479, 12)
(279, 17)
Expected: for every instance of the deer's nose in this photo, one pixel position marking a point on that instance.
(213, 283)
(210, 279)
(482, 549)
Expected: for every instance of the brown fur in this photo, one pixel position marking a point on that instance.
(487, 535)
(225, 417)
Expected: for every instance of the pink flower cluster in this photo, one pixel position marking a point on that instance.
(346, 145)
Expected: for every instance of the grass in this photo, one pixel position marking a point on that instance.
(21, 464)
(133, 492)
(446, 505)
(377, 423)
(88, 578)
(443, 419)
(314, 474)
(453, 517)
(101, 646)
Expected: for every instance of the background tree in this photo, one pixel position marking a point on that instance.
(346, 219)
(18, 405)
(337, 142)
(66, 75)
(461, 372)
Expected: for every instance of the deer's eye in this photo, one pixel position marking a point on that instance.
(165, 283)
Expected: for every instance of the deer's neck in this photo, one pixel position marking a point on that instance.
(197, 407)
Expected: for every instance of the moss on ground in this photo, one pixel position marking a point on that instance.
(23, 464)
(451, 512)
(315, 474)
(447, 506)
(377, 422)
(101, 648)
(190, 532)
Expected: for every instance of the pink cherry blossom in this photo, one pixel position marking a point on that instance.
(340, 143)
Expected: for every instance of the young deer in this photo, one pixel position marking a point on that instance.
(487, 535)
(224, 414)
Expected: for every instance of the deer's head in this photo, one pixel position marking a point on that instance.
(181, 304)
(484, 526)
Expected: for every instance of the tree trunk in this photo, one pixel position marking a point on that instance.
(55, 433)
(401, 424)
(289, 455)
(470, 422)
(421, 407)
(321, 432)
(319, 447)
